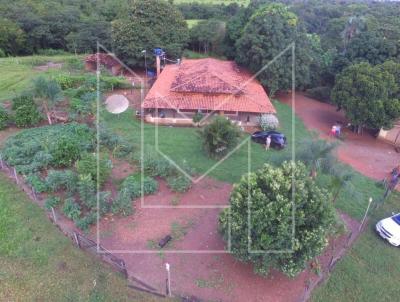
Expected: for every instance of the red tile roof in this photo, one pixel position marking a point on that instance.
(208, 84)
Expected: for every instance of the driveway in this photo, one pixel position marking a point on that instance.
(364, 153)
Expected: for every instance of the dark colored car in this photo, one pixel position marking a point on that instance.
(278, 140)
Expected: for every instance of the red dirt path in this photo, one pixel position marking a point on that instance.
(364, 153)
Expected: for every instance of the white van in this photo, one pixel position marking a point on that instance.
(389, 229)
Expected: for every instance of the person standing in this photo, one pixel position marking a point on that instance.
(267, 142)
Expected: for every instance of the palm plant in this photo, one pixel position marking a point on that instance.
(48, 92)
(315, 153)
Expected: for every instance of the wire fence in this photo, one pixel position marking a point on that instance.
(81, 241)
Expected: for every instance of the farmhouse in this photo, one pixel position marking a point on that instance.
(207, 86)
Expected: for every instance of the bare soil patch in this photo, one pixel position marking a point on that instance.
(200, 265)
(366, 154)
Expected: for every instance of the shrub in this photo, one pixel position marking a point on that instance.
(85, 222)
(197, 117)
(119, 146)
(65, 151)
(36, 183)
(71, 209)
(271, 193)
(24, 99)
(219, 137)
(123, 203)
(155, 165)
(268, 122)
(57, 180)
(131, 188)
(4, 118)
(27, 116)
(87, 165)
(179, 183)
(69, 81)
(87, 190)
(52, 202)
(322, 93)
(2, 53)
(30, 150)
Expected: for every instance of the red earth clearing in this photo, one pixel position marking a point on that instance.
(366, 154)
(200, 265)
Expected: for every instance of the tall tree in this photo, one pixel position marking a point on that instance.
(149, 24)
(365, 93)
(270, 30)
(266, 199)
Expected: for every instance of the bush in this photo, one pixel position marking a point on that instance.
(71, 209)
(87, 165)
(27, 116)
(87, 191)
(85, 222)
(2, 53)
(179, 183)
(219, 137)
(131, 188)
(322, 93)
(69, 81)
(268, 122)
(36, 183)
(52, 202)
(31, 150)
(271, 208)
(24, 99)
(155, 165)
(118, 145)
(65, 151)
(4, 118)
(197, 117)
(58, 180)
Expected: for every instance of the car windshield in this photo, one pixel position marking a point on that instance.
(396, 218)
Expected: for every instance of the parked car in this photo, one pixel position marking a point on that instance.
(278, 140)
(389, 229)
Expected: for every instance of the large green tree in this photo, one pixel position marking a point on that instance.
(368, 95)
(12, 37)
(270, 30)
(149, 24)
(269, 199)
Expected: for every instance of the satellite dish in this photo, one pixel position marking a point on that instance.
(117, 103)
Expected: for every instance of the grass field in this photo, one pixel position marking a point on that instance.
(38, 263)
(184, 144)
(17, 73)
(226, 2)
(371, 269)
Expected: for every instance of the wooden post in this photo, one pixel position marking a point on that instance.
(54, 215)
(1, 162)
(77, 240)
(16, 176)
(34, 193)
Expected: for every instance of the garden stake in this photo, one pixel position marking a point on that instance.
(16, 177)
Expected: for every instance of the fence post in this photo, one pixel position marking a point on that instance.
(1, 162)
(54, 215)
(77, 240)
(16, 176)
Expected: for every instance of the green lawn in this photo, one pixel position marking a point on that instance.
(38, 263)
(371, 269)
(17, 73)
(183, 144)
(226, 2)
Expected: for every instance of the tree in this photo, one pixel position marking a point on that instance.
(365, 93)
(207, 36)
(268, 196)
(219, 136)
(150, 24)
(270, 30)
(48, 92)
(12, 37)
